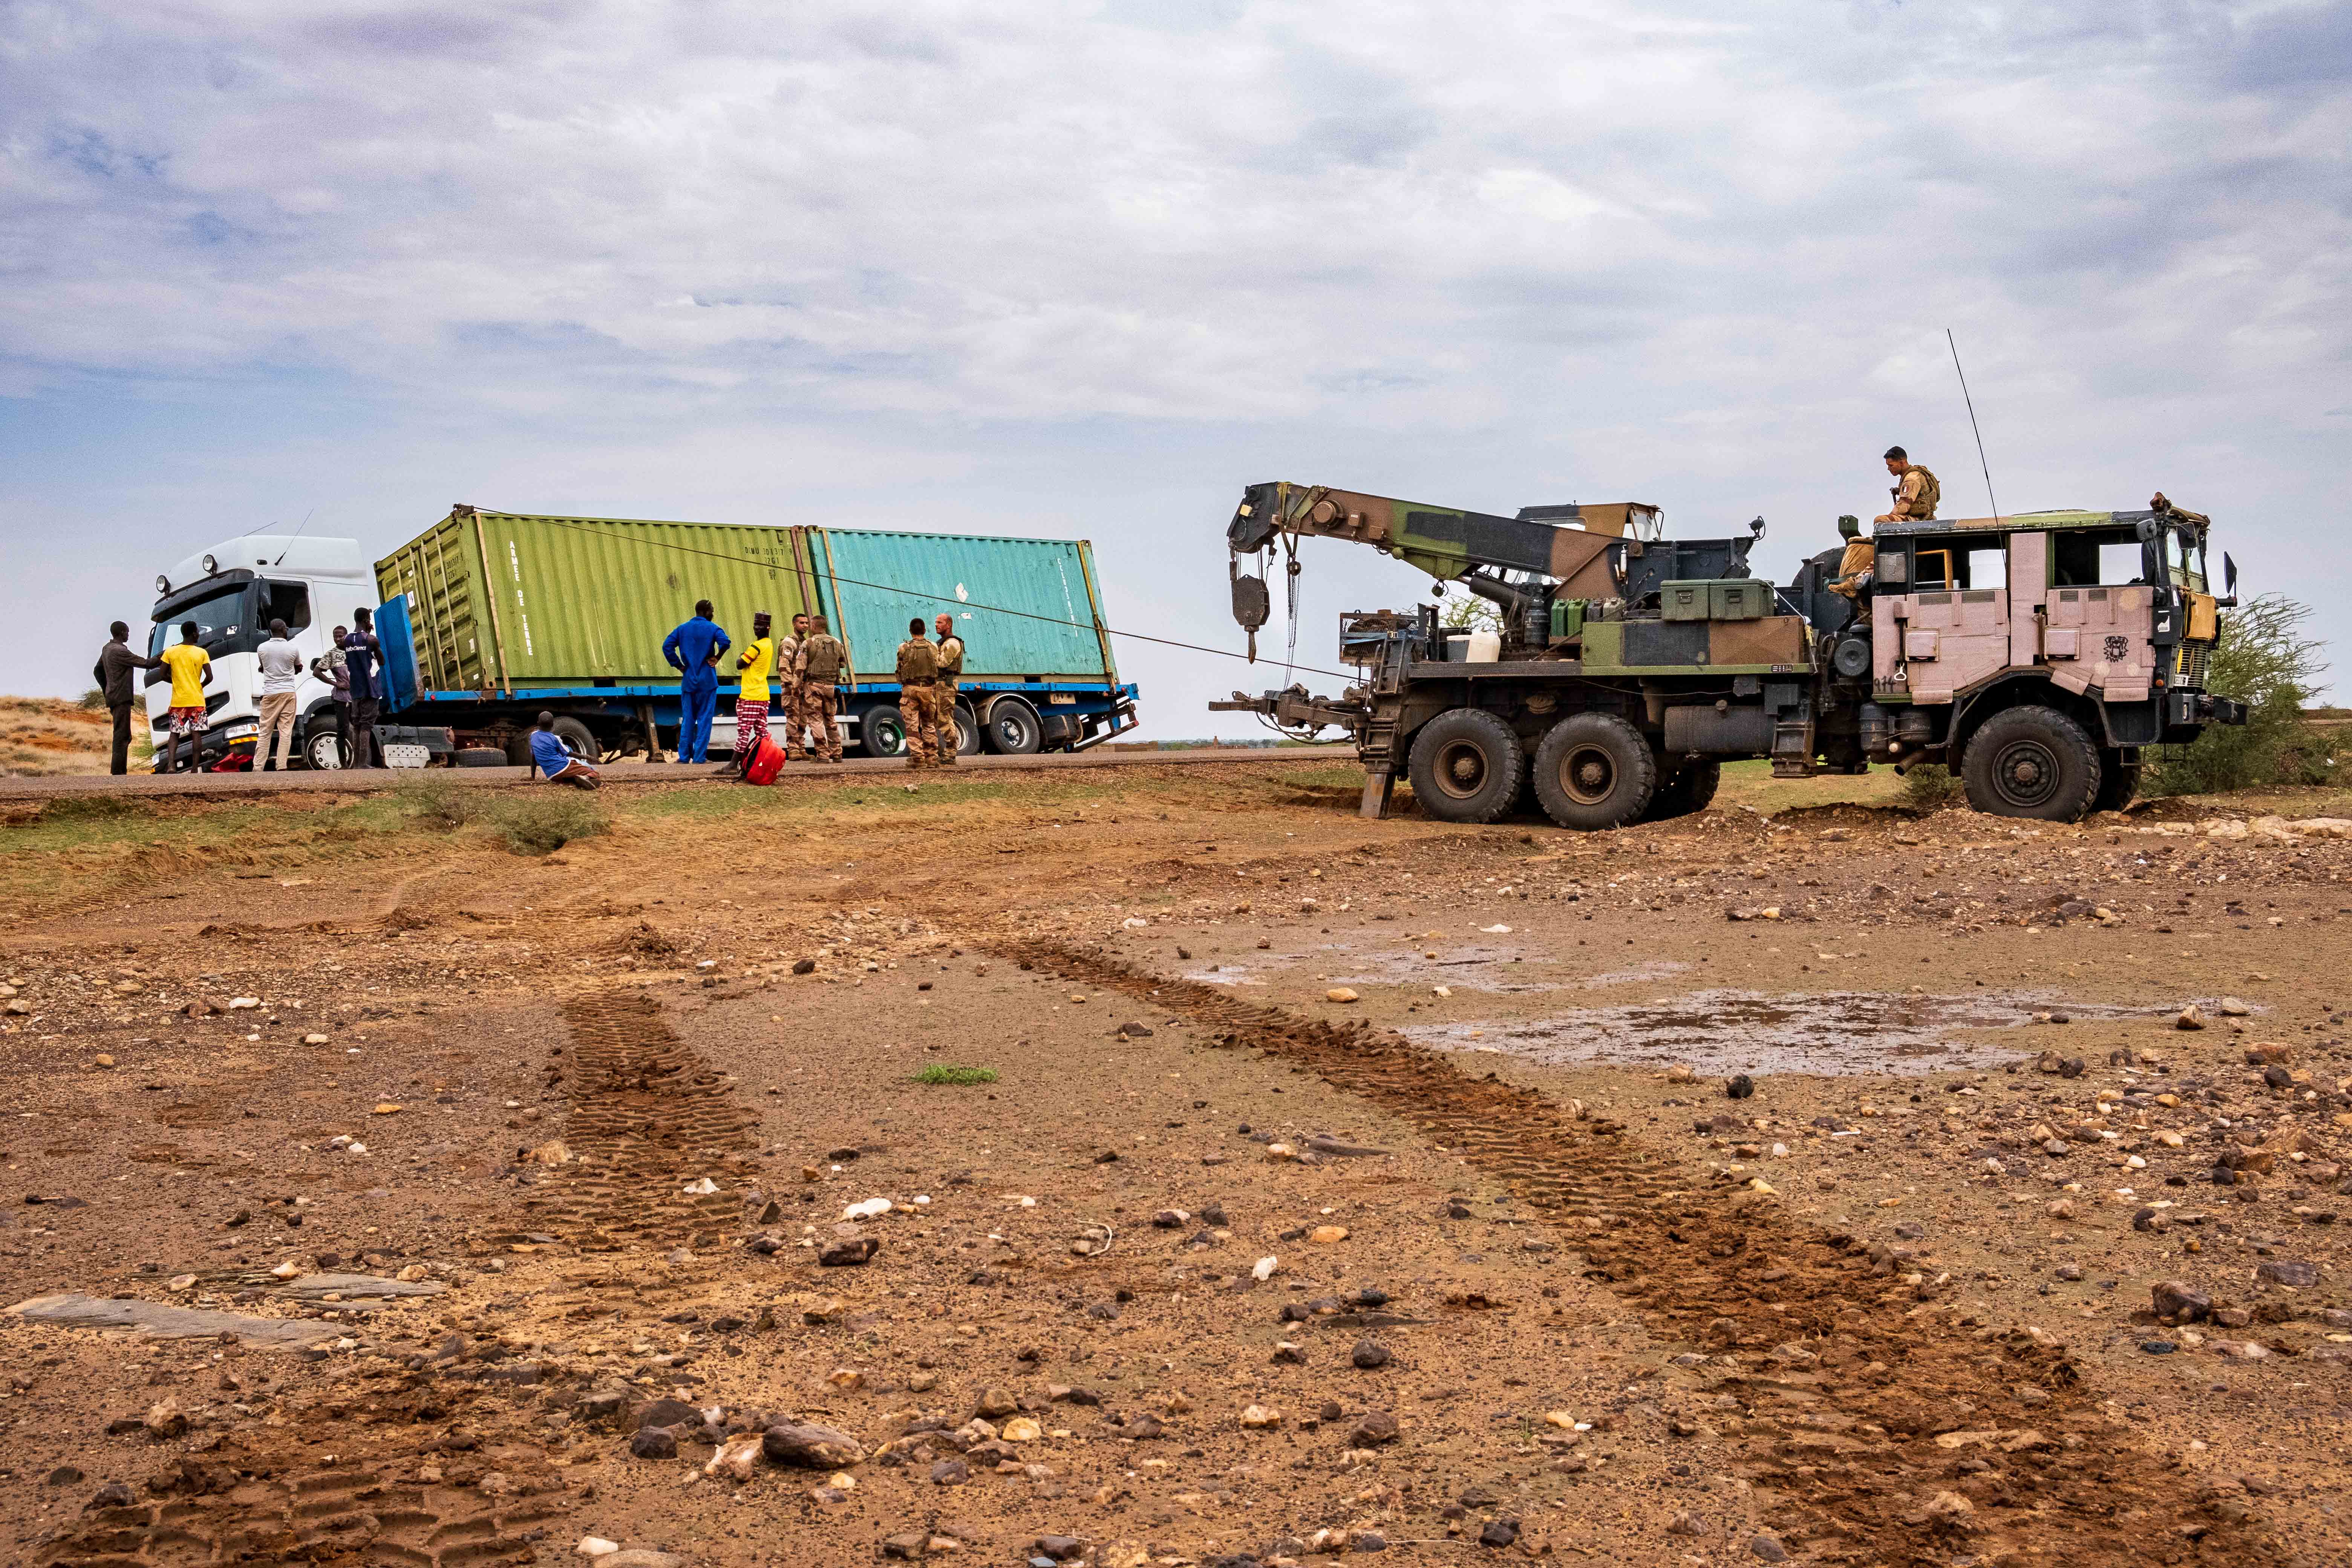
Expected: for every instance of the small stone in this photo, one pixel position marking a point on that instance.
(1022, 1429)
(848, 1252)
(1768, 1547)
(654, 1442)
(804, 966)
(993, 1403)
(1372, 1429)
(2159, 1347)
(1339, 993)
(2069, 1272)
(1171, 1219)
(1369, 1354)
(951, 1473)
(596, 1546)
(1258, 1415)
(1685, 1523)
(1288, 1354)
(1499, 1533)
(104, 1060)
(1740, 1088)
(314, 1040)
(1328, 1235)
(2172, 1299)
(2190, 1018)
(2287, 1271)
(164, 1419)
(810, 1448)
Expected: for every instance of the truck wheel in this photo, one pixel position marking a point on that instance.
(1466, 766)
(322, 745)
(2118, 782)
(1013, 728)
(967, 733)
(1594, 771)
(578, 740)
(2031, 761)
(1687, 791)
(883, 732)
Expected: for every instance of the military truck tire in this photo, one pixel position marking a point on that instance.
(1466, 766)
(1595, 771)
(883, 732)
(967, 733)
(1690, 789)
(2118, 782)
(2033, 763)
(1013, 728)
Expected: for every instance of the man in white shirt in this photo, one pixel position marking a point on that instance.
(281, 675)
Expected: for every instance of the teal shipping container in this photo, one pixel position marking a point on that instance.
(1025, 607)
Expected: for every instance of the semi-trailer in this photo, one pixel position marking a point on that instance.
(488, 618)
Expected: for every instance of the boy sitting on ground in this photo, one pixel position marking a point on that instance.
(548, 757)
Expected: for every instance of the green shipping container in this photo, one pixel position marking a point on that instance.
(573, 601)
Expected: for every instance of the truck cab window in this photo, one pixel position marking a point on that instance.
(1983, 567)
(288, 602)
(219, 617)
(2097, 558)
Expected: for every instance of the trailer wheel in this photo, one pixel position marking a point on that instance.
(1013, 728)
(1595, 771)
(883, 732)
(1687, 789)
(2118, 782)
(967, 733)
(1466, 766)
(578, 740)
(2031, 761)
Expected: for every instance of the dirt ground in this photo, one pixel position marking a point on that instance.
(44, 736)
(1332, 1187)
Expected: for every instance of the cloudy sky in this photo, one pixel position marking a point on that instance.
(1086, 269)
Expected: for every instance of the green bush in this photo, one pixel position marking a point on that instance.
(1928, 785)
(2264, 661)
(94, 697)
(944, 1072)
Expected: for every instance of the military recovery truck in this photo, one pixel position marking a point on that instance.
(2038, 654)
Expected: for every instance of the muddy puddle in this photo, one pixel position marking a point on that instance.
(1720, 1033)
(1476, 967)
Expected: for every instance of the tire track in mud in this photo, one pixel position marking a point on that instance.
(1877, 1426)
(345, 1512)
(648, 1115)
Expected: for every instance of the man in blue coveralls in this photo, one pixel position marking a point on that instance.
(693, 650)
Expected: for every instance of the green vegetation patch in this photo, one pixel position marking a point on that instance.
(947, 1072)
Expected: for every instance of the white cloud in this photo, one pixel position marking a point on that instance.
(1704, 249)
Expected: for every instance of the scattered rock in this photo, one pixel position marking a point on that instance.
(2190, 1018)
(1768, 1547)
(1372, 1428)
(1369, 1354)
(1499, 1533)
(1740, 1088)
(810, 1448)
(848, 1252)
(2172, 1299)
(2287, 1271)
(653, 1442)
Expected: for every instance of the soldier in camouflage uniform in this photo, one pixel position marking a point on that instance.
(788, 686)
(950, 656)
(819, 668)
(918, 680)
(1916, 491)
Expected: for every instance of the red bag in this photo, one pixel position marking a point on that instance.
(766, 762)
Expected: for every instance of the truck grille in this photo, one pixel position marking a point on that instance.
(2196, 658)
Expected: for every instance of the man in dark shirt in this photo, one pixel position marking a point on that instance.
(111, 674)
(364, 655)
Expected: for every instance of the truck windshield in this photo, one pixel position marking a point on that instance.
(2184, 560)
(219, 619)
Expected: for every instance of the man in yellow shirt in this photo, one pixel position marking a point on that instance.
(191, 671)
(756, 662)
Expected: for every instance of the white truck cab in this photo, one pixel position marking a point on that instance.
(232, 592)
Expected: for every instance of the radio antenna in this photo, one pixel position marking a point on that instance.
(295, 535)
(1972, 423)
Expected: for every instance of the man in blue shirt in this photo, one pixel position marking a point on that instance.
(693, 650)
(556, 765)
(364, 655)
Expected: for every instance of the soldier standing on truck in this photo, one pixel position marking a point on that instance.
(918, 680)
(819, 667)
(757, 661)
(950, 656)
(1915, 490)
(788, 684)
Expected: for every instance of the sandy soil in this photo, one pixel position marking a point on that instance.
(1341, 1187)
(44, 736)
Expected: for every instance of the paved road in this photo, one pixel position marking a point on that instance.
(363, 781)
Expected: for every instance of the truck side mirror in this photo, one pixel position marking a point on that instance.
(1756, 527)
(2228, 573)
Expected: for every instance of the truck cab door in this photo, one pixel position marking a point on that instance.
(1958, 633)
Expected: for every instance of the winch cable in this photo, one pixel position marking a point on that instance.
(928, 594)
